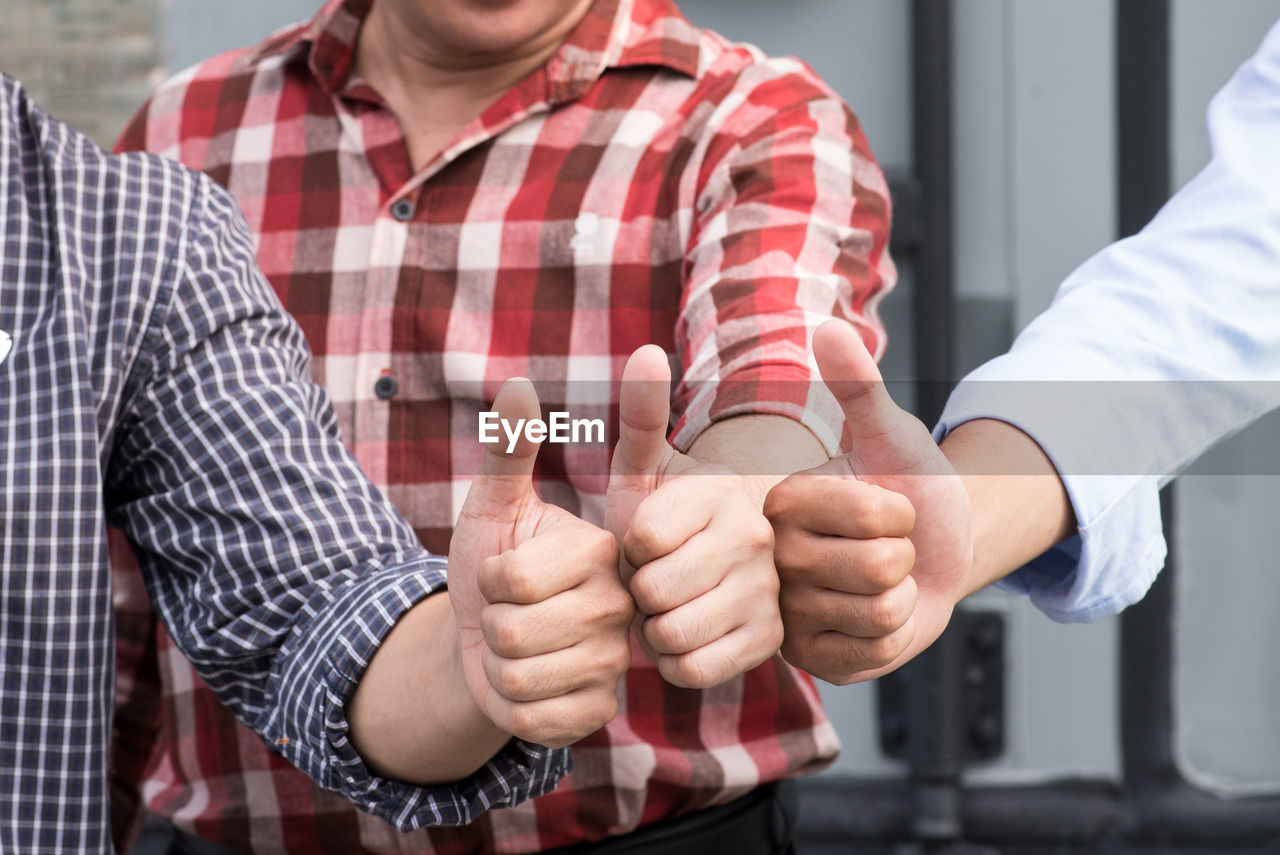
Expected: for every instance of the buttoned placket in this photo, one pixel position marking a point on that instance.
(400, 222)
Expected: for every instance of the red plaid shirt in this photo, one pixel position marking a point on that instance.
(651, 183)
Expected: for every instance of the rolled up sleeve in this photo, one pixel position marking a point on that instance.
(790, 229)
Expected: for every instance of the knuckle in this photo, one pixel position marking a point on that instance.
(617, 607)
(667, 633)
(609, 708)
(887, 614)
(521, 581)
(779, 501)
(645, 528)
(882, 565)
(768, 585)
(792, 568)
(649, 591)
(490, 577)
(600, 548)
(765, 639)
(642, 537)
(503, 631)
(881, 651)
(759, 534)
(524, 722)
(603, 708)
(700, 670)
(687, 672)
(772, 633)
(616, 659)
(766, 606)
(513, 681)
(500, 677)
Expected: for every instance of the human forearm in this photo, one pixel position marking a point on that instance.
(412, 717)
(1018, 503)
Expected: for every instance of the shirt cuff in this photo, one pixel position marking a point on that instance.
(1119, 547)
(780, 390)
(310, 727)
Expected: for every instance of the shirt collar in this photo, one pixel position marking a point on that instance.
(614, 34)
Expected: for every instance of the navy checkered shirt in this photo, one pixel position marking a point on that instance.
(153, 382)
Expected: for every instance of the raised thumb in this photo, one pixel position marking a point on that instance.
(644, 413)
(886, 439)
(506, 473)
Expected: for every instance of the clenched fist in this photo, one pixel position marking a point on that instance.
(543, 619)
(873, 547)
(697, 551)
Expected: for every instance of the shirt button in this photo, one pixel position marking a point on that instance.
(402, 210)
(385, 387)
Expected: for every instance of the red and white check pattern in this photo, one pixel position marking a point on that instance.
(651, 183)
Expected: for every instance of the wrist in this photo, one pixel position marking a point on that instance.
(1018, 503)
(412, 716)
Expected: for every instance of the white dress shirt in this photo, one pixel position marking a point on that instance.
(1155, 349)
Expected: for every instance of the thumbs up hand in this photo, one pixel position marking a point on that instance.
(543, 620)
(872, 547)
(697, 551)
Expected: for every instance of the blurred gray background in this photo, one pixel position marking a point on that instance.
(1035, 173)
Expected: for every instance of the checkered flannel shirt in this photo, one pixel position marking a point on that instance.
(153, 382)
(651, 183)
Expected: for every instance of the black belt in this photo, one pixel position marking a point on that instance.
(760, 823)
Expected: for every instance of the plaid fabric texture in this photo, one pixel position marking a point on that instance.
(155, 383)
(651, 183)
